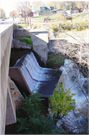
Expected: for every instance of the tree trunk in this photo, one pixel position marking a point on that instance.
(70, 9)
(56, 118)
(13, 18)
(30, 22)
(27, 21)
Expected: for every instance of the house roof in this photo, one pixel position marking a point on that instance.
(35, 9)
(57, 9)
(46, 7)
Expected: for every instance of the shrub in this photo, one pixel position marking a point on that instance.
(20, 26)
(61, 101)
(31, 119)
(61, 61)
(78, 25)
(55, 60)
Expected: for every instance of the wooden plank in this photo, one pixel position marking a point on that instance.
(17, 76)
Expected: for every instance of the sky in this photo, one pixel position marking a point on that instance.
(9, 5)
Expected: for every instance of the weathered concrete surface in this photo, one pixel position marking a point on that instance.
(55, 44)
(17, 97)
(18, 44)
(40, 40)
(15, 27)
(10, 108)
(17, 76)
(21, 32)
(43, 80)
(6, 38)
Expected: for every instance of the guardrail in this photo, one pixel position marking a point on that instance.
(7, 114)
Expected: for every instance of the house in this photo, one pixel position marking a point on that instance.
(52, 7)
(57, 11)
(35, 11)
(45, 8)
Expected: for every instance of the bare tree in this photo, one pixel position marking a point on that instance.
(13, 14)
(2, 13)
(25, 9)
(57, 4)
(37, 3)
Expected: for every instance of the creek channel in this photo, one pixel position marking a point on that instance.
(43, 81)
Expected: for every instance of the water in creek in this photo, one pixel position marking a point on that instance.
(76, 121)
(43, 80)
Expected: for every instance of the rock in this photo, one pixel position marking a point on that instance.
(72, 78)
(76, 121)
(18, 98)
(59, 123)
(18, 44)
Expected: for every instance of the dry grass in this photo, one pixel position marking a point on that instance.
(81, 34)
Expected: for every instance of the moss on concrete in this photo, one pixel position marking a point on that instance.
(27, 40)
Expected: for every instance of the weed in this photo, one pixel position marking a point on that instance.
(22, 25)
(76, 25)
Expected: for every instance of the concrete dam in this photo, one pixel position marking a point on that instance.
(29, 76)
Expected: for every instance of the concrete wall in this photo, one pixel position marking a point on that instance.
(40, 40)
(6, 39)
(56, 41)
(10, 108)
(21, 32)
(18, 44)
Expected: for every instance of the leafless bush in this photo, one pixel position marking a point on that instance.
(78, 52)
